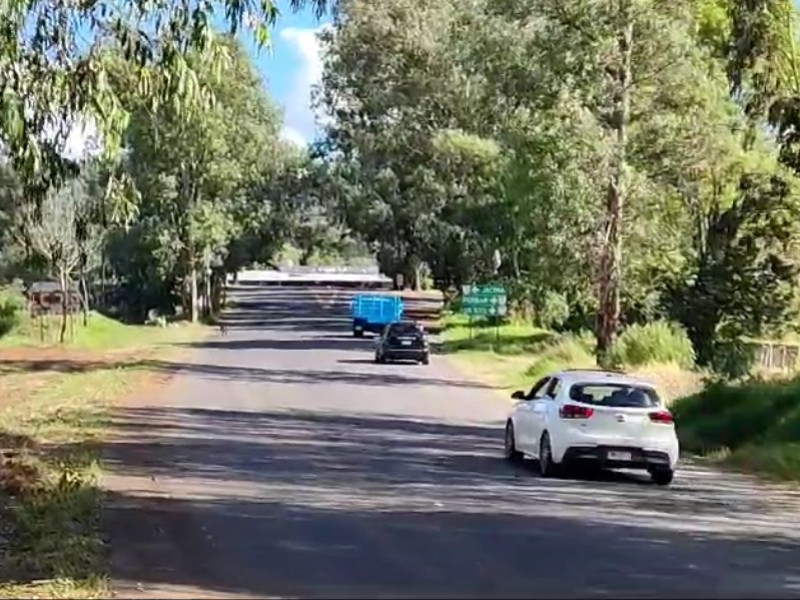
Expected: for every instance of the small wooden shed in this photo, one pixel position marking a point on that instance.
(44, 298)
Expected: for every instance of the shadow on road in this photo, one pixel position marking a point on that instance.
(315, 504)
(308, 343)
(411, 377)
(293, 446)
(371, 361)
(303, 551)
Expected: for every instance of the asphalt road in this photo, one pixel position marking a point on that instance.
(281, 462)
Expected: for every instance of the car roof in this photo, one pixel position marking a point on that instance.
(572, 376)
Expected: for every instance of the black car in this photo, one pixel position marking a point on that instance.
(403, 340)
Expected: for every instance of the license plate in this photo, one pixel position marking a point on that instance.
(358, 327)
(619, 455)
(406, 342)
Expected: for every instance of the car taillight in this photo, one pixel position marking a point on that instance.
(573, 411)
(662, 416)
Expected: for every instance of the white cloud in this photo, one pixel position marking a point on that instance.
(290, 134)
(300, 117)
(83, 139)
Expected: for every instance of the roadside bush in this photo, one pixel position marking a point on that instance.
(733, 359)
(553, 312)
(12, 309)
(740, 417)
(779, 460)
(658, 342)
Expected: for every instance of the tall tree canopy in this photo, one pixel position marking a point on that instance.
(600, 147)
(54, 75)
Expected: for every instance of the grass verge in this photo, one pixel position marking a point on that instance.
(100, 333)
(754, 426)
(51, 544)
(514, 355)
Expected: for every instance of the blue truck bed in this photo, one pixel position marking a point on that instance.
(372, 312)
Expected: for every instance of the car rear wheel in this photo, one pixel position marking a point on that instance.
(547, 468)
(510, 448)
(662, 476)
(358, 333)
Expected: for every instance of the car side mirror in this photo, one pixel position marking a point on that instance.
(518, 395)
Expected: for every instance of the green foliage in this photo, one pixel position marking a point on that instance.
(733, 416)
(43, 99)
(202, 177)
(733, 359)
(470, 131)
(743, 279)
(554, 310)
(657, 342)
(780, 460)
(756, 425)
(12, 309)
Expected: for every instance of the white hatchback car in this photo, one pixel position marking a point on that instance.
(603, 418)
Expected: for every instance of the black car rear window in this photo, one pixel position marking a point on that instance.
(404, 329)
(614, 394)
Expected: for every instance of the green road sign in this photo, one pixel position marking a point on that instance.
(489, 290)
(484, 300)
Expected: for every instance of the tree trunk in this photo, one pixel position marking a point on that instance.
(84, 292)
(224, 290)
(305, 257)
(412, 276)
(103, 278)
(209, 310)
(62, 282)
(611, 253)
(193, 313)
(192, 192)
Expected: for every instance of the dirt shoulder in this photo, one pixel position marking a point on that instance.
(54, 414)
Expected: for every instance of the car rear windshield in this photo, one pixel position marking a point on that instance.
(615, 394)
(404, 329)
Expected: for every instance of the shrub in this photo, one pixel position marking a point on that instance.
(12, 309)
(733, 359)
(553, 312)
(658, 342)
(734, 416)
(755, 425)
(780, 460)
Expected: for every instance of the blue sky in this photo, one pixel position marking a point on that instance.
(290, 66)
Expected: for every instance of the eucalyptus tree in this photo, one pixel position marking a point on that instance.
(192, 167)
(54, 75)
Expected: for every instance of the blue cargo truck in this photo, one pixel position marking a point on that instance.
(373, 312)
